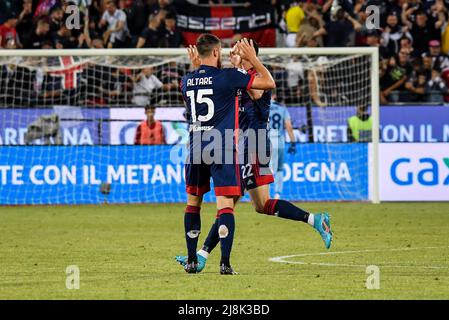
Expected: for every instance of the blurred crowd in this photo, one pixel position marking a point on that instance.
(412, 35)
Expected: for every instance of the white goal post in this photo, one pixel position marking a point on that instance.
(270, 54)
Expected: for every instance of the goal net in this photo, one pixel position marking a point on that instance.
(68, 124)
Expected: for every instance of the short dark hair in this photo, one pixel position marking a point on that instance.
(420, 13)
(404, 37)
(55, 8)
(43, 20)
(150, 106)
(206, 43)
(170, 15)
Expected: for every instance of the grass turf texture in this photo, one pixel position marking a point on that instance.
(127, 252)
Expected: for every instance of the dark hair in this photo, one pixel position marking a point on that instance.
(170, 15)
(417, 62)
(206, 43)
(150, 106)
(11, 16)
(43, 19)
(393, 13)
(420, 13)
(55, 8)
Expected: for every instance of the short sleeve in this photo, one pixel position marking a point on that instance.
(239, 78)
(122, 16)
(105, 16)
(157, 83)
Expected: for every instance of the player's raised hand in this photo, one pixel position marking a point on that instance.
(194, 56)
(246, 49)
(234, 56)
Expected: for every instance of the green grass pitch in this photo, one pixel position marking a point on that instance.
(127, 252)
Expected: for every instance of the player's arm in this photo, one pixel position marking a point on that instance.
(236, 61)
(264, 81)
(289, 127)
(255, 94)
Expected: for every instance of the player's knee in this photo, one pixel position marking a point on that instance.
(259, 207)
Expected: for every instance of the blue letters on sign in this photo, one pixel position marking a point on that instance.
(427, 173)
(393, 173)
(431, 172)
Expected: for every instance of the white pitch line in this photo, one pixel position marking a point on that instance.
(283, 259)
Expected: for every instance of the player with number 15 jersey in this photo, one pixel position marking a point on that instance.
(209, 93)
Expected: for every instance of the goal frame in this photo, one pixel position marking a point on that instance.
(373, 52)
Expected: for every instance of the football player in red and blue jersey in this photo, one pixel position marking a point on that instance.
(210, 96)
(254, 111)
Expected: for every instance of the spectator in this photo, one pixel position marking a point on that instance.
(136, 17)
(293, 19)
(392, 34)
(38, 37)
(172, 74)
(173, 37)
(422, 30)
(25, 23)
(308, 35)
(339, 30)
(162, 5)
(439, 61)
(150, 131)
(436, 88)
(11, 93)
(145, 83)
(8, 8)
(56, 18)
(51, 90)
(398, 71)
(114, 86)
(117, 30)
(8, 32)
(63, 39)
(91, 37)
(150, 37)
(95, 10)
(406, 43)
(416, 86)
(373, 39)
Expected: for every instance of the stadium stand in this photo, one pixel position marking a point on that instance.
(413, 41)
